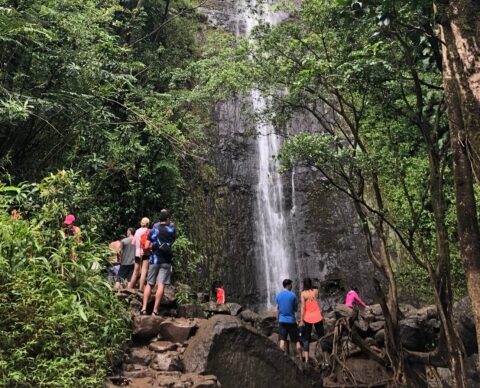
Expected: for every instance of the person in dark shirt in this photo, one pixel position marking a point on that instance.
(161, 237)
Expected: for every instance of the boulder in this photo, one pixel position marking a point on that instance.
(190, 311)
(376, 310)
(140, 356)
(135, 305)
(376, 326)
(234, 308)
(215, 308)
(241, 357)
(162, 346)
(266, 323)
(426, 313)
(412, 334)
(249, 316)
(146, 327)
(164, 379)
(178, 330)
(168, 298)
(168, 361)
(465, 325)
(361, 325)
(365, 371)
(407, 309)
(343, 310)
(472, 371)
(380, 337)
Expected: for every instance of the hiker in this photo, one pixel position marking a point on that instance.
(140, 240)
(112, 269)
(161, 237)
(219, 293)
(16, 215)
(310, 315)
(127, 259)
(69, 228)
(286, 306)
(353, 299)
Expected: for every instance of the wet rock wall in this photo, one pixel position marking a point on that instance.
(325, 233)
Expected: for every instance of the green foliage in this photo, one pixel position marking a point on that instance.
(368, 72)
(61, 323)
(121, 93)
(94, 85)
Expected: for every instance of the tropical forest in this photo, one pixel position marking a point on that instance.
(240, 193)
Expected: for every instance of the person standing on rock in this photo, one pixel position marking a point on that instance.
(219, 292)
(310, 315)
(352, 298)
(140, 240)
(161, 238)
(127, 259)
(286, 307)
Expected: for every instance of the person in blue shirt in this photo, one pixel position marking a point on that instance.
(161, 238)
(286, 307)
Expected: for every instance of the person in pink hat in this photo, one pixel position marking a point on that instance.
(70, 228)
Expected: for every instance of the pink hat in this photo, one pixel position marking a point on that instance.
(70, 219)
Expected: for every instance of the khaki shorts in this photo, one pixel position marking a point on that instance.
(159, 274)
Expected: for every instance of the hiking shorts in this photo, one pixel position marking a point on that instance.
(159, 273)
(286, 330)
(139, 260)
(125, 272)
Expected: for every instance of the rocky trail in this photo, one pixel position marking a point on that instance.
(210, 345)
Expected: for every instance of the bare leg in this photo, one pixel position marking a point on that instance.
(146, 296)
(282, 345)
(158, 296)
(118, 285)
(305, 356)
(143, 275)
(133, 280)
(299, 350)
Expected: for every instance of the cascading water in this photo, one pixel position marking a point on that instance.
(258, 241)
(273, 240)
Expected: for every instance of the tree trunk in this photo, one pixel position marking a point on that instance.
(459, 25)
(460, 21)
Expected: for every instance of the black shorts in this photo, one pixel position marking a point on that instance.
(125, 272)
(139, 260)
(286, 330)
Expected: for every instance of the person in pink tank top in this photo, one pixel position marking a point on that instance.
(352, 298)
(311, 315)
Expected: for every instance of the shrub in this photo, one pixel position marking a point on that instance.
(61, 325)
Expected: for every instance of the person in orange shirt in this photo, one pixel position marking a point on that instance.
(310, 314)
(220, 293)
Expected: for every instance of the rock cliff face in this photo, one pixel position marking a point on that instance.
(324, 233)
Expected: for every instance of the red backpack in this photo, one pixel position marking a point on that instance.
(144, 241)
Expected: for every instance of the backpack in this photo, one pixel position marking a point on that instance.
(143, 240)
(163, 242)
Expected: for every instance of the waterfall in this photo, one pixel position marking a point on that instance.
(274, 253)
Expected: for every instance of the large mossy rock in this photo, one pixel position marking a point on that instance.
(465, 325)
(241, 357)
